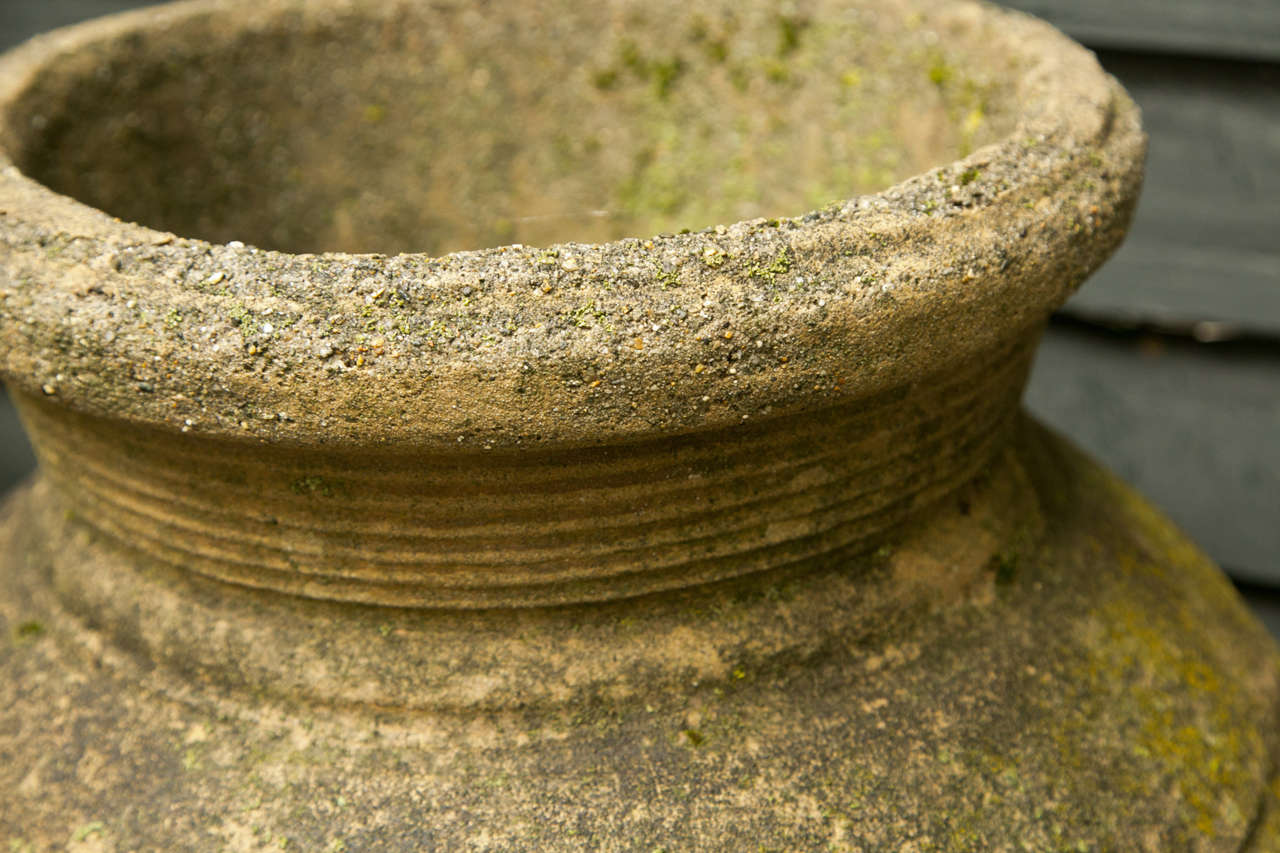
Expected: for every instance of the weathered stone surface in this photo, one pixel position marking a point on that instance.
(727, 539)
(863, 294)
(1043, 663)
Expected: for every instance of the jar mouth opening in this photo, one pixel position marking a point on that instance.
(391, 128)
(577, 343)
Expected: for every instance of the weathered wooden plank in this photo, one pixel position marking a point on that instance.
(1209, 293)
(1239, 28)
(22, 19)
(1194, 427)
(16, 458)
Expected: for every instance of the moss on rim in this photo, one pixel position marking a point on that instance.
(485, 348)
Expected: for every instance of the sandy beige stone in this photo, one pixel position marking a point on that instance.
(661, 484)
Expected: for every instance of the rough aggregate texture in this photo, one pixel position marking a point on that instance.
(952, 692)
(779, 312)
(631, 506)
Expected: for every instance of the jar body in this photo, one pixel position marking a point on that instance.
(1043, 661)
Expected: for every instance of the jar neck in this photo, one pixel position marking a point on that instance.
(427, 529)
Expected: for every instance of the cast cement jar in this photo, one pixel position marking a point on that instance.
(614, 513)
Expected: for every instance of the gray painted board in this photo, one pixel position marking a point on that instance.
(1239, 28)
(16, 458)
(1194, 427)
(21, 19)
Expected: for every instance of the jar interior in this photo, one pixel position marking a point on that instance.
(388, 127)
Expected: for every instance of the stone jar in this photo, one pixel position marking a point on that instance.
(707, 531)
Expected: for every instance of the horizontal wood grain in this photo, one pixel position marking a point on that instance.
(1205, 244)
(1238, 28)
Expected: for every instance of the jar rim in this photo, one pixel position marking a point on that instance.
(902, 287)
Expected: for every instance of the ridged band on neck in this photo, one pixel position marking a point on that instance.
(474, 530)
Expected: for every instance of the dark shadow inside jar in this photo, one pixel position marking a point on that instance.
(440, 129)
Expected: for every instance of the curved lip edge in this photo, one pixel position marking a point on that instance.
(1084, 132)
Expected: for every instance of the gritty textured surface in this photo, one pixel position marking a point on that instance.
(817, 584)
(517, 345)
(468, 529)
(1033, 668)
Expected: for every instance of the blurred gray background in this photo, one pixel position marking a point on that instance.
(1167, 365)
